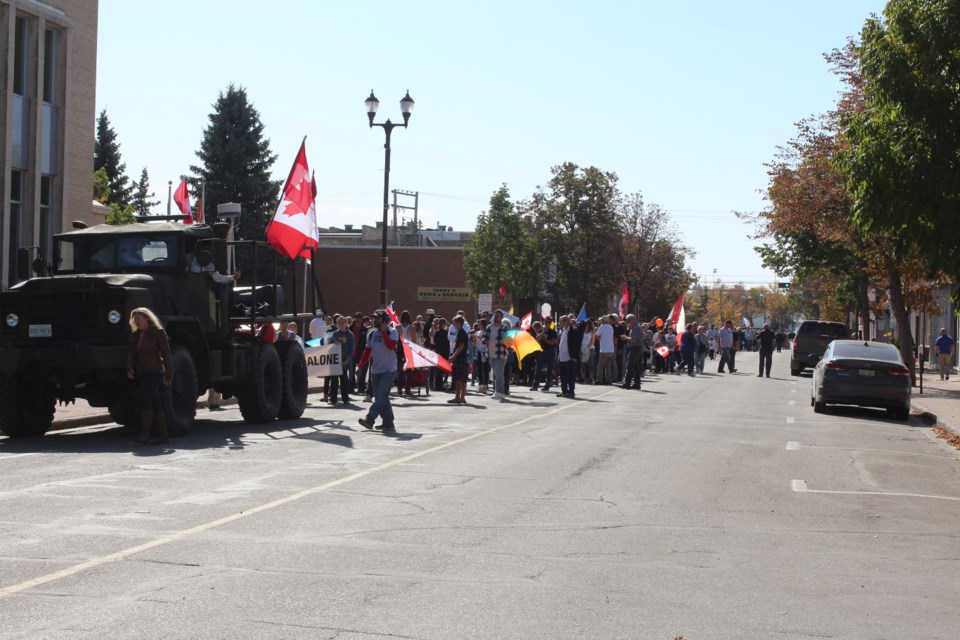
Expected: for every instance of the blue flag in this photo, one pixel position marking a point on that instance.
(583, 313)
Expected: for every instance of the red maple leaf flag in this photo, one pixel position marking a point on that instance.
(677, 315)
(293, 230)
(182, 197)
(624, 301)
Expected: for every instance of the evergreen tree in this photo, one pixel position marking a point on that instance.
(142, 200)
(235, 162)
(106, 156)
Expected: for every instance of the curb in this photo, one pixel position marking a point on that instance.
(104, 418)
(931, 419)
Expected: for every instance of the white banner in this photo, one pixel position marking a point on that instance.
(324, 360)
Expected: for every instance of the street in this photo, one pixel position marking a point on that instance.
(714, 507)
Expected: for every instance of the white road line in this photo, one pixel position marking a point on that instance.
(793, 446)
(890, 451)
(791, 419)
(800, 486)
(793, 390)
(792, 402)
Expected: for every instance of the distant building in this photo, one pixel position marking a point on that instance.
(48, 74)
(425, 269)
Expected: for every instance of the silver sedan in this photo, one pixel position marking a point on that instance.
(866, 374)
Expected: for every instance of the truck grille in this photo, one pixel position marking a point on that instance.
(73, 315)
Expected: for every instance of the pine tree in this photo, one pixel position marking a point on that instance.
(142, 199)
(235, 163)
(106, 156)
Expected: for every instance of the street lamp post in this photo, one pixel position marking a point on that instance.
(406, 108)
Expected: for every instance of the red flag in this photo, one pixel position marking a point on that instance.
(182, 197)
(677, 315)
(418, 357)
(293, 229)
(392, 314)
(526, 321)
(503, 289)
(624, 301)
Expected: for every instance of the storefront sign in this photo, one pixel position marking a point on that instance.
(443, 294)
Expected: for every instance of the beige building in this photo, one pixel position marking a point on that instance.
(48, 108)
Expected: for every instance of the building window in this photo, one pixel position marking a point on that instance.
(16, 222)
(21, 72)
(50, 65)
(46, 233)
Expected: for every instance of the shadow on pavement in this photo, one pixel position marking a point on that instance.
(206, 434)
(878, 417)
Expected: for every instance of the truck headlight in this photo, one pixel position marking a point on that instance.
(12, 320)
(114, 317)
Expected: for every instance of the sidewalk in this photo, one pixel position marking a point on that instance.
(940, 402)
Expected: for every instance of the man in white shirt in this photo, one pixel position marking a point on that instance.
(725, 335)
(317, 326)
(607, 351)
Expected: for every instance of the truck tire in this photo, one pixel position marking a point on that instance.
(259, 399)
(293, 388)
(124, 413)
(179, 399)
(26, 408)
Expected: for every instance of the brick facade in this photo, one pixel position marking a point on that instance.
(349, 278)
(65, 97)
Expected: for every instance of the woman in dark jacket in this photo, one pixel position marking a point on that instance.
(149, 363)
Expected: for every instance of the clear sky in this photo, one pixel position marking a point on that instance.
(684, 101)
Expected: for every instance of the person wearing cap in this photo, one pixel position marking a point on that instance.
(381, 353)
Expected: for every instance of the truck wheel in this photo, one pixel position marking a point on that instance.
(259, 400)
(293, 389)
(26, 408)
(179, 399)
(124, 413)
(795, 372)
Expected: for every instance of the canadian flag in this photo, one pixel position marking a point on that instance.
(293, 229)
(624, 301)
(182, 197)
(526, 321)
(417, 358)
(677, 316)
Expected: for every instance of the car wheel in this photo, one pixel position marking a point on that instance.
(902, 413)
(819, 407)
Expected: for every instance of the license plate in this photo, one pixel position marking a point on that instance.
(41, 330)
(868, 373)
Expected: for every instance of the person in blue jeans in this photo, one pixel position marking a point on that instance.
(381, 352)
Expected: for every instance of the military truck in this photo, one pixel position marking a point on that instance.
(65, 331)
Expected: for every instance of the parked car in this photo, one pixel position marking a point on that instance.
(811, 341)
(865, 374)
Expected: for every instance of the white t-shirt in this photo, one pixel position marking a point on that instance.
(605, 334)
(564, 350)
(452, 336)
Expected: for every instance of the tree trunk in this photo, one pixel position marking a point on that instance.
(864, 291)
(900, 313)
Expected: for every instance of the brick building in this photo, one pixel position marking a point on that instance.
(48, 107)
(418, 278)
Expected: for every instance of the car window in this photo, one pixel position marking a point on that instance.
(857, 350)
(824, 329)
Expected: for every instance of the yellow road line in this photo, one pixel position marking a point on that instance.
(186, 533)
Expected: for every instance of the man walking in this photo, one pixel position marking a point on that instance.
(725, 336)
(945, 346)
(767, 339)
(381, 352)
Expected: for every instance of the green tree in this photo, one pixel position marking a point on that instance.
(578, 218)
(235, 162)
(903, 161)
(106, 156)
(121, 214)
(101, 186)
(503, 248)
(142, 200)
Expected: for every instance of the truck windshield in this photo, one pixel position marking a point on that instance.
(118, 253)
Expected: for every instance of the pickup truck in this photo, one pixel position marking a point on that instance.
(811, 342)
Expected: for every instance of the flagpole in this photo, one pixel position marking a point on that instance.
(169, 195)
(203, 200)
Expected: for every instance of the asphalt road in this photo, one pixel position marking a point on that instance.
(715, 507)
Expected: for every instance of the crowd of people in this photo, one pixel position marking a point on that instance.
(608, 350)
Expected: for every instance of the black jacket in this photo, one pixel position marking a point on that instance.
(574, 342)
